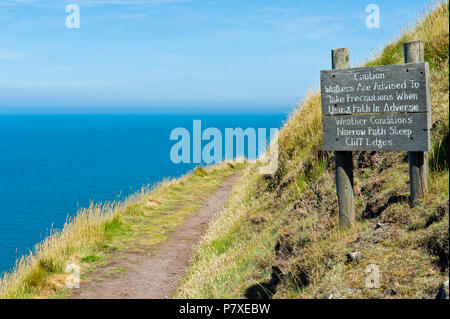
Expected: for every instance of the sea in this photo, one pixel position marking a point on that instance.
(51, 165)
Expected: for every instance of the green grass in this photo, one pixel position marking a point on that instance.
(119, 269)
(90, 259)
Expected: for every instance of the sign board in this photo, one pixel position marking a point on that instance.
(383, 108)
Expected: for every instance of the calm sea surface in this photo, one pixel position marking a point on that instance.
(51, 165)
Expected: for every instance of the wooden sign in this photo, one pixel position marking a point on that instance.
(384, 108)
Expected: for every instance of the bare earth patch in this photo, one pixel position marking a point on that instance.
(157, 272)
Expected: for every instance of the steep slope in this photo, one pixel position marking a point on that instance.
(279, 236)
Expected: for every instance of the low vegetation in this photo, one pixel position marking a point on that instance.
(279, 238)
(88, 239)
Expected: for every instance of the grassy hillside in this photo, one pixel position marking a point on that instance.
(279, 236)
(137, 224)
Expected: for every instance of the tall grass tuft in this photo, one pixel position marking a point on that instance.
(51, 255)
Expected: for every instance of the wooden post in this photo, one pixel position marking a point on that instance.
(418, 163)
(340, 59)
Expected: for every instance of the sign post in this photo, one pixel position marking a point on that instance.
(382, 108)
(418, 163)
(340, 59)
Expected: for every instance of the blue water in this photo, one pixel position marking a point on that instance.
(51, 165)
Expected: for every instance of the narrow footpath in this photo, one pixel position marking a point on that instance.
(159, 273)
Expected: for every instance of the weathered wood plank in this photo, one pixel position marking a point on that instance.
(418, 161)
(376, 132)
(381, 89)
(400, 93)
(340, 59)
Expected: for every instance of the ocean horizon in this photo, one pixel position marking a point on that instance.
(51, 165)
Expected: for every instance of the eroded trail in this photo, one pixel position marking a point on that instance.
(156, 274)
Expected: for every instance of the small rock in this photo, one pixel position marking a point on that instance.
(349, 291)
(354, 256)
(442, 293)
(334, 295)
(339, 294)
(379, 225)
(330, 263)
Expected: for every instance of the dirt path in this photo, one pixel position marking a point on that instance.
(158, 274)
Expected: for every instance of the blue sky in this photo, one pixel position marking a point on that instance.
(181, 54)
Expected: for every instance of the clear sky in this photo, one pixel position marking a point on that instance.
(181, 53)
